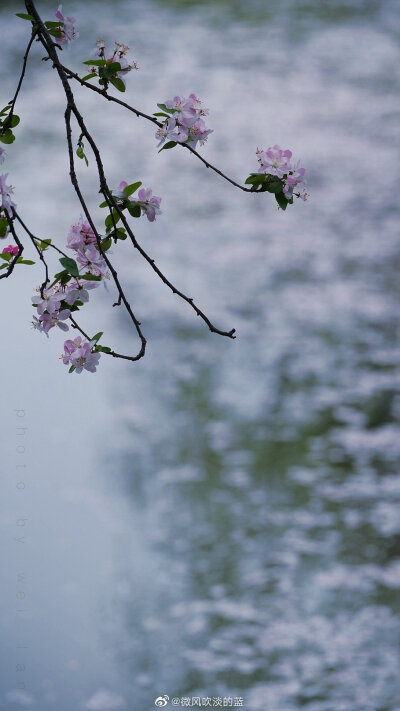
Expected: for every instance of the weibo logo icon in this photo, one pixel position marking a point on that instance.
(162, 700)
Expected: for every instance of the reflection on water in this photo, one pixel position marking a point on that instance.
(251, 546)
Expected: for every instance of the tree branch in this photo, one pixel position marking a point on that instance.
(138, 113)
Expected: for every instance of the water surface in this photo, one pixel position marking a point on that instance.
(220, 519)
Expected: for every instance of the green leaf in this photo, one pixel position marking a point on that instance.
(118, 83)
(89, 76)
(134, 209)
(120, 233)
(14, 121)
(170, 144)
(111, 220)
(4, 266)
(102, 349)
(104, 204)
(62, 277)
(96, 62)
(273, 185)
(70, 266)
(90, 277)
(6, 256)
(254, 178)
(24, 261)
(130, 189)
(72, 368)
(261, 183)
(81, 154)
(45, 244)
(53, 23)
(55, 32)
(160, 113)
(164, 108)
(7, 137)
(114, 67)
(24, 16)
(3, 226)
(97, 336)
(281, 200)
(106, 243)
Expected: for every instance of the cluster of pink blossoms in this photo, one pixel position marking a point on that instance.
(82, 239)
(51, 312)
(118, 54)
(52, 307)
(54, 304)
(278, 162)
(79, 354)
(149, 204)
(186, 123)
(68, 31)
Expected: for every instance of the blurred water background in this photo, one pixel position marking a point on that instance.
(221, 518)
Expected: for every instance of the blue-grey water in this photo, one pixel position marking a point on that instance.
(221, 519)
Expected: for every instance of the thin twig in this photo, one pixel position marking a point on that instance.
(40, 253)
(111, 353)
(7, 122)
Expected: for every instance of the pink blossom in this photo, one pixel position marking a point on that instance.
(118, 55)
(172, 131)
(185, 109)
(69, 33)
(81, 235)
(6, 191)
(119, 192)
(55, 319)
(120, 51)
(274, 161)
(186, 125)
(69, 349)
(278, 162)
(47, 321)
(98, 51)
(149, 203)
(295, 177)
(198, 132)
(90, 259)
(11, 249)
(79, 291)
(79, 354)
(37, 324)
(50, 301)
